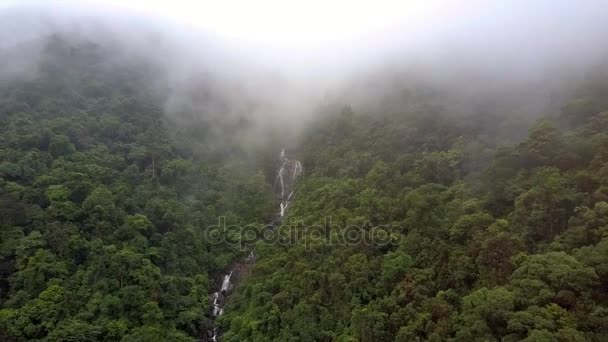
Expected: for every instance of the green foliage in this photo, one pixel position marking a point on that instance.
(103, 212)
(105, 202)
(508, 248)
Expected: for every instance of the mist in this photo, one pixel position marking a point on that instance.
(280, 66)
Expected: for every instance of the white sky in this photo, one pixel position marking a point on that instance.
(333, 33)
(285, 23)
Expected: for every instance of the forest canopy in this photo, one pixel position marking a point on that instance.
(473, 172)
(491, 242)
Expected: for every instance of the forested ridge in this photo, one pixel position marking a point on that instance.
(106, 196)
(490, 241)
(103, 204)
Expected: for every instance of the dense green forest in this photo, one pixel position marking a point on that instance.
(103, 204)
(106, 197)
(487, 241)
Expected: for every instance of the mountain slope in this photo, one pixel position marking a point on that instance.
(416, 226)
(103, 212)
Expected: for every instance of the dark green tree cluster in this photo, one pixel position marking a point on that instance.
(486, 243)
(102, 213)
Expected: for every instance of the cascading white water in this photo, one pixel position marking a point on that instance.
(288, 172)
(218, 300)
(217, 310)
(226, 282)
(286, 177)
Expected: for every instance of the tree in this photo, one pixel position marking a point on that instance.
(485, 313)
(60, 145)
(74, 331)
(542, 212)
(540, 278)
(542, 146)
(495, 254)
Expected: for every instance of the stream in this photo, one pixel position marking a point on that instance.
(287, 173)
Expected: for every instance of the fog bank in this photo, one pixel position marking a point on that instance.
(278, 64)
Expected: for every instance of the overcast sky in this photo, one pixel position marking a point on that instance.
(315, 31)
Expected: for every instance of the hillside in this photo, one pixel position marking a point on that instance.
(103, 210)
(158, 185)
(418, 226)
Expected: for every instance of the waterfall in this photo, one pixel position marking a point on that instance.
(288, 172)
(226, 282)
(217, 310)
